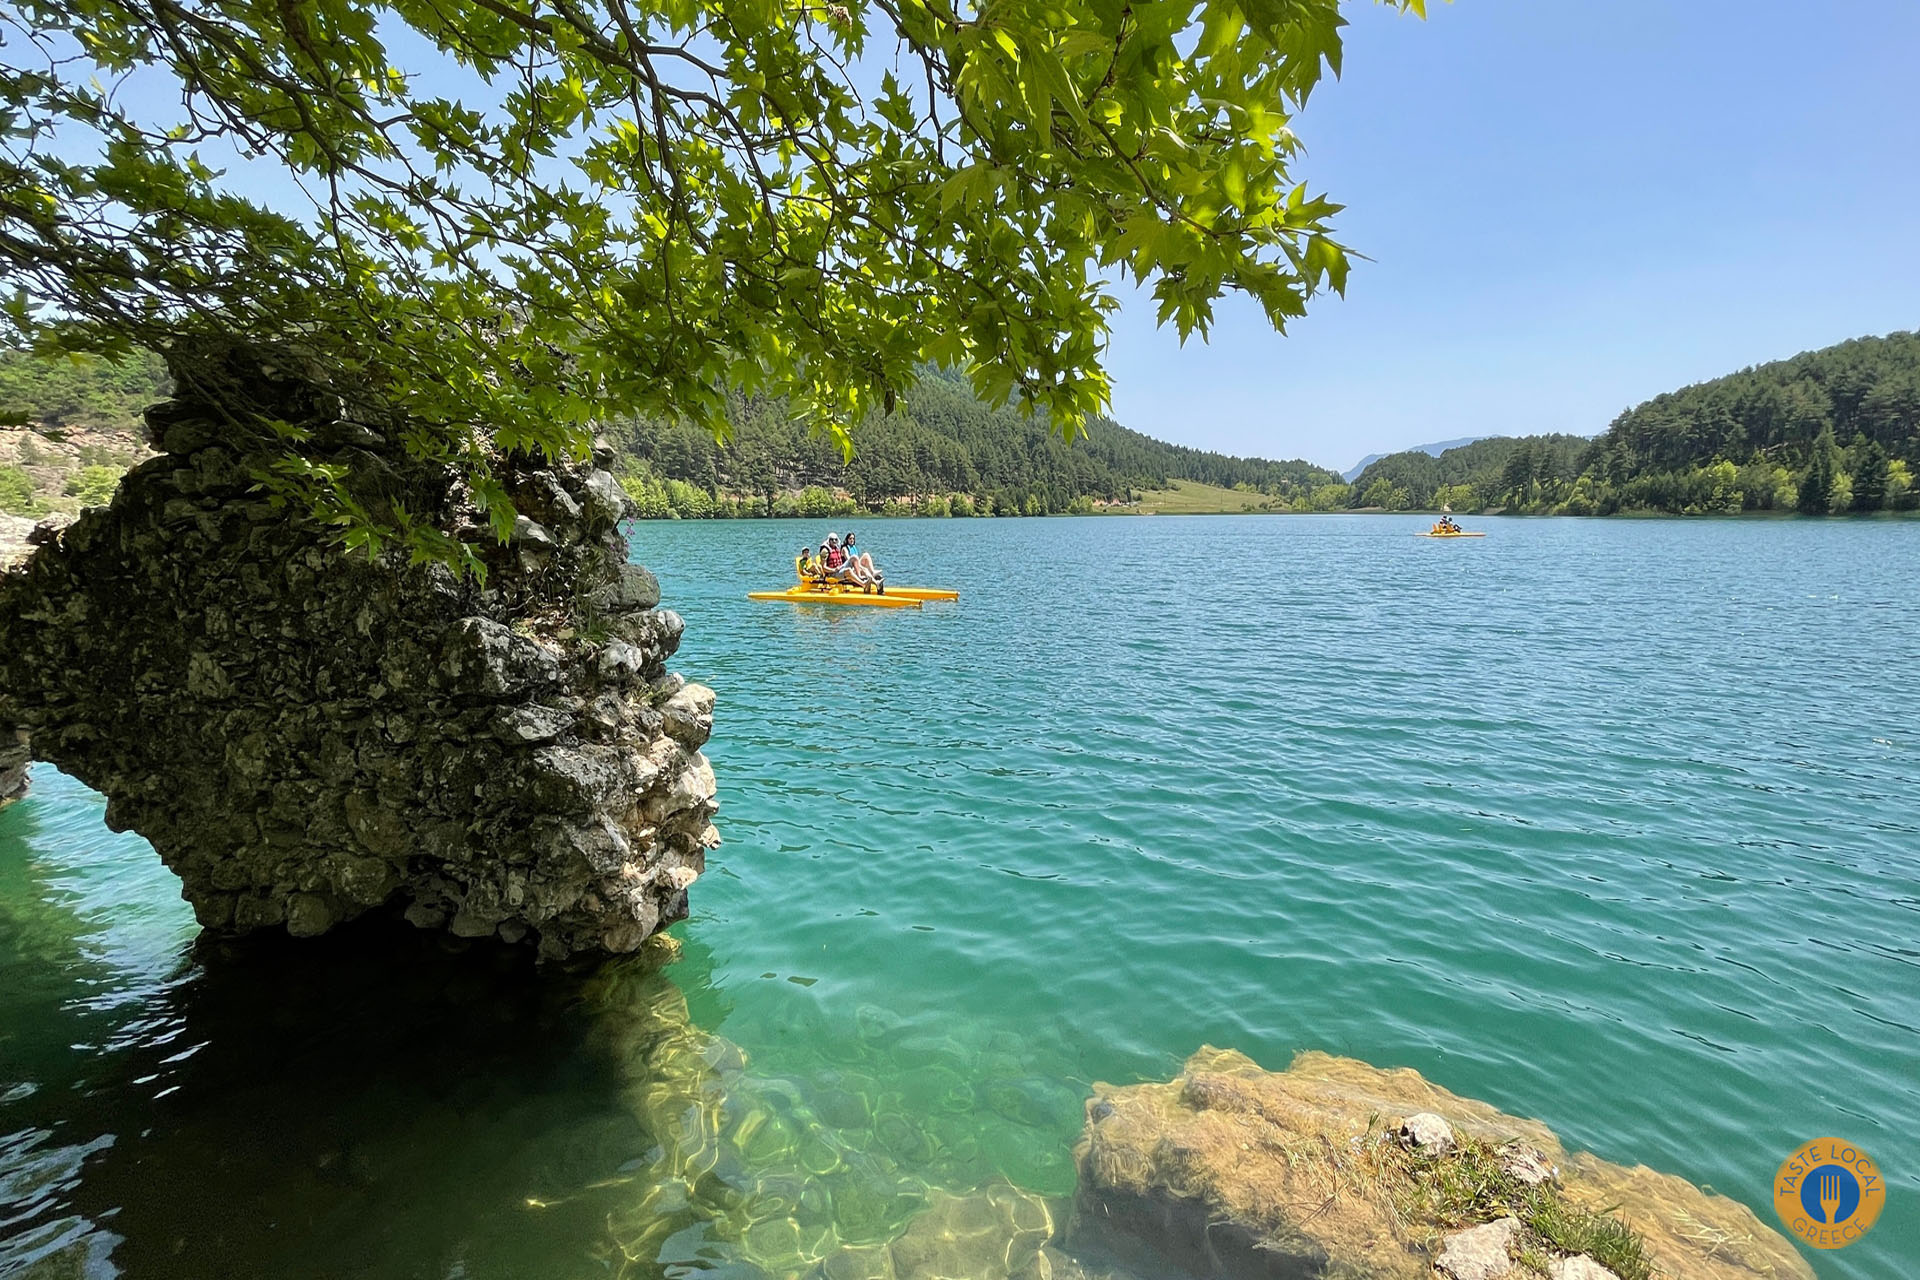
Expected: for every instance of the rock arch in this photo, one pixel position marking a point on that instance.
(307, 736)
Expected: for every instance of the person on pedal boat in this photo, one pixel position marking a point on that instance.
(865, 571)
(835, 564)
(808, 564)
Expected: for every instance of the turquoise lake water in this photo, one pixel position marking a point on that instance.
(1612, 823)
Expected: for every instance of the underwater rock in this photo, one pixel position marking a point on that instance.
(990, 1235)
(999, 1233)
(306, 736)
(1233, 1171)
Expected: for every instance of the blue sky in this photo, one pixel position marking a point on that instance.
(1571, 205)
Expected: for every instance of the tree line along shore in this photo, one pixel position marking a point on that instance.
(1828, 432)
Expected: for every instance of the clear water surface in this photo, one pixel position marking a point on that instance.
(1612, 823)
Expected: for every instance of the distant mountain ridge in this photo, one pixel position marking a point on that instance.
(1437, 448)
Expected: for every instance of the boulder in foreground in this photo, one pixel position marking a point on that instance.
(1336, 1168)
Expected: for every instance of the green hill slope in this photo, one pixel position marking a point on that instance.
(940, 443)
(1828, 432)
(86, 393)
(1497, 471)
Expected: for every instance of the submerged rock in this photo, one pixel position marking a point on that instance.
(307, 736)
(1233, 1171)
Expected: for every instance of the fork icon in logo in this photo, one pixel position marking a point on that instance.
(1829, 1196)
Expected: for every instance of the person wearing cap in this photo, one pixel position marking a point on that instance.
(835, 563)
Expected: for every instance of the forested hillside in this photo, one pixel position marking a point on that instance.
(70, 428)
(84, 392)
(1497, 471)
(1834, 431)
(941, 451)
(1828, 432)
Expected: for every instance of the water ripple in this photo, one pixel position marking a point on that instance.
(1612, 823)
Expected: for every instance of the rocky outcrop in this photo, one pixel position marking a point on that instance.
(1336, 1168)
(307, 736)
(19, 537)
(14, 546)
(14, 758)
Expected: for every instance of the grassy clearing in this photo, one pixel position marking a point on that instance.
(1191, 498)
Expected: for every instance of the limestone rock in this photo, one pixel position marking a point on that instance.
(306, 737)
(621, 663)
(636, 588)
(1525, 1165)
(1427, 1133)
(14, 758)
(14, 546)
(534, 723)
(606, 504)
(532, 533)
(1579, 1267)
(1479, 1253)
(1233, 1171)
(48, 529)
(309, 915)
(688, 716)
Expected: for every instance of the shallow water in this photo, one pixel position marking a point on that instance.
(1612, 823)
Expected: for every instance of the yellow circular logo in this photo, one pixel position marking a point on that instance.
(1828, 1193)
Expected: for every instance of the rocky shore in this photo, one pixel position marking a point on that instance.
(17, 542)
(1329, 1170)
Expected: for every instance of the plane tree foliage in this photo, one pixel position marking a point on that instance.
(490, 224)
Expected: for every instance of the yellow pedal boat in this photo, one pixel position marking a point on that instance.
(838, 595)
(820, 591)
(1458, 533)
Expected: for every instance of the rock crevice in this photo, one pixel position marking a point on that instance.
(308, 736)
